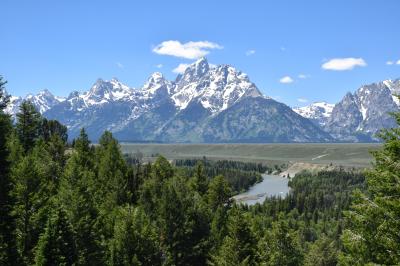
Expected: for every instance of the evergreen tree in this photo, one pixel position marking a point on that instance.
(77, 189)
(219, 192)
(50, 128)
(56, 245)
(28, 125)
(162, 169)
(238, 247)
(135, 239)
(218, 227)
(110, 182)
(183, 224)
(34, 188)
(372, 235)
(280, 246)
(112, 172)
(4, 97)
(200, 182)
(322, 252)
(8, 249)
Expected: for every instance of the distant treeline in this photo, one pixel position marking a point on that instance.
(240, 175)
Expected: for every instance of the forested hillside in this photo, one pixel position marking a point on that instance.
(86, 205)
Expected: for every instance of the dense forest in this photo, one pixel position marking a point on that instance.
(84, 204)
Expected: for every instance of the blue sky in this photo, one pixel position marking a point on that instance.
(295, 51)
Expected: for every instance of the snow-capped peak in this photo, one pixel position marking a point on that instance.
(43, 101)
(215, 88)
(154, 83)
(105, 91)
(317, 111)
(194, 71)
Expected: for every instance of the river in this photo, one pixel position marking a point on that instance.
(272, 185)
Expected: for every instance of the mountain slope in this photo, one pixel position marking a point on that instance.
(262, 120)
(360, 115)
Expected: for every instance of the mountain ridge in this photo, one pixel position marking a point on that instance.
(184, 110)
(203, 105)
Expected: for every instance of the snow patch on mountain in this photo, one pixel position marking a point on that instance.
(318, 112)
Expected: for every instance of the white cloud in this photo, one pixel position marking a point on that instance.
(286, 80)
(389, 63)
(180, 69)
(341, 64)
(159, 66)
(302, 100)
(303, 76)
(250, 52)
(121, 66)
(189, 50)
(398, 62)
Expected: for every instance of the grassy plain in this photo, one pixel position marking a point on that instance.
(344, 154)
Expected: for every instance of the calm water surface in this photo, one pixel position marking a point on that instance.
(272, 185)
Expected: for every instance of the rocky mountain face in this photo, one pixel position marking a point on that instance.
(204, 104)
(359, 115)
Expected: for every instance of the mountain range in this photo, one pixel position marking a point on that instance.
(214, 104)
(359, 115)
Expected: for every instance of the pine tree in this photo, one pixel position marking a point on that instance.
(372, 235)
(34, 188)
(50, 128)
(162, 169)
(56, 245)
(218, 227)
(110, 182)
(238, 247)
(135, 239)
(4, 97)
(183, 224)
(219, 192)
(28, 125)
(112, 172)
(280, 246)
(200, 181)
(77, 190)
(8, 249)
(322, 252)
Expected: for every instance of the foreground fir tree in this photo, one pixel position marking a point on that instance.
(28, 125)
(8, 249)
(238, 247)
(34, 188)
(111, 176)
(56, 245)
(77, 189)
(373, 232)
(280, 246)
(135, 240)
